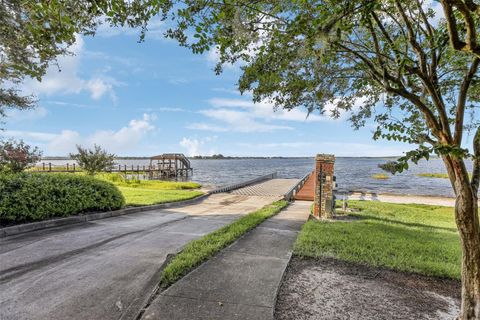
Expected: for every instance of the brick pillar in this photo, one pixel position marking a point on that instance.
(324, 184)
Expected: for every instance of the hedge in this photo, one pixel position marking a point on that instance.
(28, 197)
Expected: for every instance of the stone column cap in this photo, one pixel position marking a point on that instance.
(325, 157)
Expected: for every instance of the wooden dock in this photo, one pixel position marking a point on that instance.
(308, 189)
(169, 165)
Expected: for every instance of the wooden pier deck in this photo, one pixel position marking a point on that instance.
(308, 190)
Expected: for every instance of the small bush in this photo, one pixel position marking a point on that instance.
(34, 196)
(16, 156)
(93, 160)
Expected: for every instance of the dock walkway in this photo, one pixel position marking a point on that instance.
(269, 188)
(307, 191)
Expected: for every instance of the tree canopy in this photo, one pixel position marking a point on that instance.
(34, 33)
(386, 60)
(397, 62)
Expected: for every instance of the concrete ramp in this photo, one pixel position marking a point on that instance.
(240, 282)
(269, 188)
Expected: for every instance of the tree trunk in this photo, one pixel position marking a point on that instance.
(467, 219)
(466, 213)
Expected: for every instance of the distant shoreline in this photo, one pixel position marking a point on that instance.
(48, 158)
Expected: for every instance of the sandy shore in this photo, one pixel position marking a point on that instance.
(440, 201)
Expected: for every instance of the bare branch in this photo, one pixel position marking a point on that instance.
(462, 99)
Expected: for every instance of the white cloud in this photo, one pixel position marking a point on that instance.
(64, 143)
(206, 127)
(67, 104)
(192, 146)
(240, 121)
(178, 81)
(98, 88)
(266, 110)
(63, 78)
(240, 115)
(227, 90)
(169, 109)
(29, 135)
(195, 146)
(26, 115)
(121, 141)
(275, 145)
(155, 30)
(126, 137)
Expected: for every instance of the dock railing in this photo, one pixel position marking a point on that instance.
(293, 191)
(239, 185)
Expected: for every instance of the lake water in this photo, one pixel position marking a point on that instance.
(353, 174)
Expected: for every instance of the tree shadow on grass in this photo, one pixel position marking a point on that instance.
(364, 216)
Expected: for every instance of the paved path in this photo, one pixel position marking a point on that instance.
(267, 188)
(242, 281)
(104, 269)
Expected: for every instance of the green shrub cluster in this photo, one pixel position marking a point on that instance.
(35, 196)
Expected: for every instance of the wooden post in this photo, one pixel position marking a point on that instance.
(43, 166)
(74, 167)
(176, 173)
(68, 167)
(49, 166)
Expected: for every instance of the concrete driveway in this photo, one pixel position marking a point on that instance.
(104, 269)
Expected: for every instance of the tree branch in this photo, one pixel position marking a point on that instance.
(476, 162)
(431, 39)
(466, 9)
(471, 36)
(462, 99)
(424, 74)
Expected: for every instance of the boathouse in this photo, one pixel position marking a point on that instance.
(169, 165)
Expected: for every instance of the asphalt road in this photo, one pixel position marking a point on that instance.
(105, 269)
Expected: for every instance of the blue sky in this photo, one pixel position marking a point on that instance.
(141, 99)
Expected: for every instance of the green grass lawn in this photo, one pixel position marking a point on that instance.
(144, 196)
(405, 237)
(119, 180)
(197, 251)
(148, 192)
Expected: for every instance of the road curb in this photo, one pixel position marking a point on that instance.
(40, 225)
